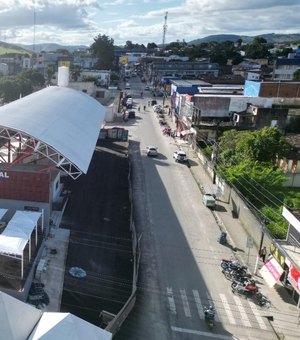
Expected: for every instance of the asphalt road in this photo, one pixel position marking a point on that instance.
(180, 256)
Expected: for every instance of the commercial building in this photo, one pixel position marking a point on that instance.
(44, 137)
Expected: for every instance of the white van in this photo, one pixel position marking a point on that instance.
(127, 86)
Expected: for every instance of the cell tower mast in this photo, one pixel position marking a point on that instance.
(34, 24)
(164, 31)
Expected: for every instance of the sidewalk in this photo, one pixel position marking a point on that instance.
(286, 316)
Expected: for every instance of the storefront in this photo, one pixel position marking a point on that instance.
(286, 253)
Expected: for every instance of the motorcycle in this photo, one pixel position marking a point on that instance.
(248, 290)
(235, 273)
(228, 264)
(209, 315)
(243, 281)
(262, 300)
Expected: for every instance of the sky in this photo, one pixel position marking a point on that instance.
(79, 22)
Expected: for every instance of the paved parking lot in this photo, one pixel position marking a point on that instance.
(98, 215)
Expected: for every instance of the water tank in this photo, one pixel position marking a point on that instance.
(63, 76)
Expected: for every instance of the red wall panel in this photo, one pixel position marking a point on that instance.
(27, 186)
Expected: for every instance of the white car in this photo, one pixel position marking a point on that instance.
(152, 151)
(180, 156)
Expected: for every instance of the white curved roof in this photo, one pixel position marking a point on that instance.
(66, 120)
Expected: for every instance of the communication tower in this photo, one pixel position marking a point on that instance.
(164, 31)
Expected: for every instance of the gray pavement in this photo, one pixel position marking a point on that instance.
(286, 316)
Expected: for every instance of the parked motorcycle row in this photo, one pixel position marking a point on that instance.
(243, 282)
(162, 121)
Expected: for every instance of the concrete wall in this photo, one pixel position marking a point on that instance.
(240, 209)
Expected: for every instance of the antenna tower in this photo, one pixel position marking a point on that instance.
(34, 24)
(164, 31)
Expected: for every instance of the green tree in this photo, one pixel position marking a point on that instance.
(36, 78)
(151, 46)
(296, 75)
(265, 146)
(255, 180)
(103, 49)
(14, 87)
(258, 49)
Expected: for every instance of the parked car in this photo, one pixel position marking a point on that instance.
(152, 151)
(180, 156)
(147, 88)
(209, 200)
(127, 86)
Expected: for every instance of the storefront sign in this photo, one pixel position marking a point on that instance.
(271, 271)
(294, 277)
(278, 255)
(3, 174)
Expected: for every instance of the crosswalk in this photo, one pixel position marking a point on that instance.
(231, 308)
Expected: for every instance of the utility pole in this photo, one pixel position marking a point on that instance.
(164, 31)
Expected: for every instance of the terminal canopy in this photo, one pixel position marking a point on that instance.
(59, 123)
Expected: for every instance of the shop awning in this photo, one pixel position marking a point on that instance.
(271, 271)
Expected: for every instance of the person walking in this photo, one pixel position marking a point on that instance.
(263, 254)
(144, 107)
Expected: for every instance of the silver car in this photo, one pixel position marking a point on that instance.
(152, 151)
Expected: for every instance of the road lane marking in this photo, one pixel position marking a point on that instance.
(207, 334)
(198, 303)
(171, 300)
(242, 311)
(227, 309)
(185, 303)
(259, 319)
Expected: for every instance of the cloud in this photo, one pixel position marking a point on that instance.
(141, 21)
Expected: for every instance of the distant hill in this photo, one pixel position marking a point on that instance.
(50, 47)
(270, 38)
(6, 48)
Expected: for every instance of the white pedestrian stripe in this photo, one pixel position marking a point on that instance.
(185, 303)
(171, 300)
(209, 300)
(259, 319)
(198, 304)
(242, 311)
(227, 309)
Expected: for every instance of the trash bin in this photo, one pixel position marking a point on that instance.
(222, 238)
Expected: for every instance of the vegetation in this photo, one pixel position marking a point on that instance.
(14, 87)
(247, 159)
(103, 49)
(296, 76)
(11, 49)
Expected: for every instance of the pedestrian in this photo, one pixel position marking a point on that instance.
(144, 107)
(139, 109)
(263, 254)
(149, 103)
